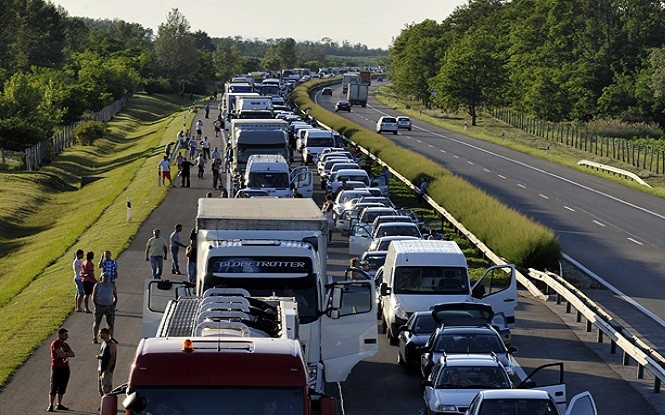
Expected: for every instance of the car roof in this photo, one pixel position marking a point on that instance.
(403, 117)
(377, 254)
(514, 394)
(481, 360)
(479, 329)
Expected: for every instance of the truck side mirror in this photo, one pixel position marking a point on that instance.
(336, 300)
(385, 290)
(135, 402)
(478, 291)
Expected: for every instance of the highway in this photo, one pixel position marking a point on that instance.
(376, 386)
(616, 232)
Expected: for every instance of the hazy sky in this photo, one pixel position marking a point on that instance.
(371, 22)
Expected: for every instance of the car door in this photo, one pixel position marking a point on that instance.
(549, 378)
(582, 404)
(381, 183)
(348, 328)
(498, 288)
(359, 239)
(303, 181)
(157, 294)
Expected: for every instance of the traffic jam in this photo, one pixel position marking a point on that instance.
(266, 288)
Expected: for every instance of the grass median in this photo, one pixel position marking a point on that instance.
(49, 216)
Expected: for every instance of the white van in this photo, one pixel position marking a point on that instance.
(271, 173)
(314, 141)
(419, 273)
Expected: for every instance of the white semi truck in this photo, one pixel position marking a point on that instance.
(277, 247)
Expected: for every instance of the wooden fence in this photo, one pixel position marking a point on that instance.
(639, 156)
(35, 157)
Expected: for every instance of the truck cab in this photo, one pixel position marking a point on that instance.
(271, 172)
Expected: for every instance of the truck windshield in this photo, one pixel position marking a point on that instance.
(255, 115)
(431, 280)
(267, 276)
(229, 400)
(268, 180)
(270, 90)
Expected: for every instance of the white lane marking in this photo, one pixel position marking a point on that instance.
(502, 176)
(430, 146)
(543, 196)
(470, 162)
(443, 151)
(521, 185)
(569, 208)
(635, 241)
(599, 223)
(615, 290)
(456, 157)
(341, 398)
(420, 141)
(486, 170)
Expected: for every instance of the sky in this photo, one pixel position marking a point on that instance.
(371, 22)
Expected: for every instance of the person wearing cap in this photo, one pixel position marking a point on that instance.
(105, 297)
(60, 354)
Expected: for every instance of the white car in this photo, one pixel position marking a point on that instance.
(404, 122)
(528, 401)
(386, 123)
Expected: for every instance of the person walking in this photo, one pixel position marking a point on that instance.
(107, 358)
(201, 164)
(216, 154)
(205, 145)
(185, 171)
(156, 253)
(60, 372)
(175, 244)
(327, 210)
(199, 129)
(207, 109)
(89, 280)
(421, 190)
(190, 252)
(192, 148)
(78, 280)
(109, 266)
(105, 297)
(216, 167)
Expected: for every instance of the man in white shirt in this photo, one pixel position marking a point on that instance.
(165, 168)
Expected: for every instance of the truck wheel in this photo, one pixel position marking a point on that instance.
(394, 132)
(364, 105)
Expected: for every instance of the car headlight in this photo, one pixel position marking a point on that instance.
(440, 407)
(400, 312)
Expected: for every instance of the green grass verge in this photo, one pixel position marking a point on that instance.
(508, 233)
(48, 218)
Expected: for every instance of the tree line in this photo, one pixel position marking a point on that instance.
(55, 67)
(556, 60)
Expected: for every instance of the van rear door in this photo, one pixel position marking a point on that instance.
(302, 180)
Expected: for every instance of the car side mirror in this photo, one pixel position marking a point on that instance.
(513, 349)
(385, 290)
(402, 328)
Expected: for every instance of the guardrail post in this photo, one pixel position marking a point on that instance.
(588, 326)
(600, 336)
(558, 299)
(568, 307)
(626, 358)
(656, 385)
(640, 371)
(578, 317)
(613, 347)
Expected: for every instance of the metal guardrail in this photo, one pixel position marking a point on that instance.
(613, 170)
(633, 347)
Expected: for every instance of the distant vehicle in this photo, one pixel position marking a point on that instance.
(326, 91)
(343, 106)
(386, 124)
(404, 122)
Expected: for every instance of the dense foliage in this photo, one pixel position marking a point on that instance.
(54, 67)
(557, 60)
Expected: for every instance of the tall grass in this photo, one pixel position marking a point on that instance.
(48, 218)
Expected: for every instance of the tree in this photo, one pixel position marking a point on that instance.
(471, 74)
(175, 51)
(228, 62)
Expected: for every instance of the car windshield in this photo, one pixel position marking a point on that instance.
(517, 407)
(424, 324)
(471, 343)
(431, 280)
(320, 141)
(397, 230)
(206, 400)
(389, 120)
(375, 261)
(470, 377)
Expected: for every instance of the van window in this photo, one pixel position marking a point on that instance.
(431, 280)
(320, 141)
(268, 180)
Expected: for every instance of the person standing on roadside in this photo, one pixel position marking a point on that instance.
(89, 280)
(185, 172)
(201, 164)
(175, 244)
(109, 266)
(78, 280)
(190, 252)
(60, 354)
(165, 167)
(205, 145)
(199, 129)
(105, 297)
(216, 154)
(216, 167)
(156, 253)
(192, 148)
(107, 357)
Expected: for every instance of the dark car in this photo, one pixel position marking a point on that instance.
(343, 106)
(412, 336)
(326, 91)
(481, 339)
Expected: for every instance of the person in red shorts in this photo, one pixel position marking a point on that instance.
(60, 354)
(165, 167)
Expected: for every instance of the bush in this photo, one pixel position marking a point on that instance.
(87, 132)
